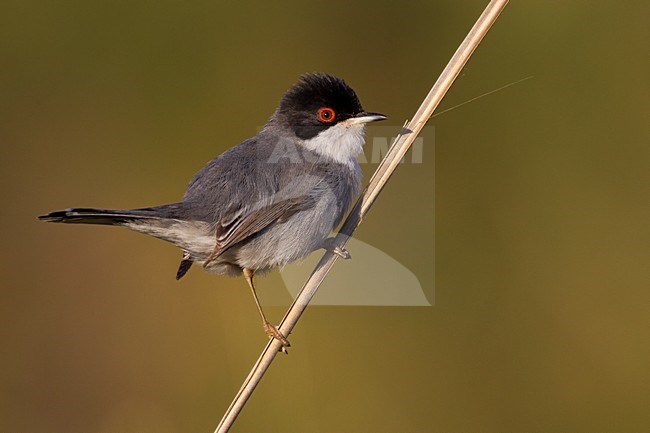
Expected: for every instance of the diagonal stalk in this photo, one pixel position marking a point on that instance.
(388, 165)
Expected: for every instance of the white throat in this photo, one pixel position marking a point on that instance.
(342, 142)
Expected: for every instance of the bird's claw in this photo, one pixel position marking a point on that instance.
(273, 332)
(342, 253)
(330, 246)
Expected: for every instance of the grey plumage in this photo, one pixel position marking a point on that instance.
(268, 201)
(247, 178)
(323, 190)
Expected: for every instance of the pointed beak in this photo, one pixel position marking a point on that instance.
(365, 117)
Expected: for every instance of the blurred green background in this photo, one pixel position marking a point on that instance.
(542, 242)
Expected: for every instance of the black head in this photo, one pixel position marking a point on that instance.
(317, 102)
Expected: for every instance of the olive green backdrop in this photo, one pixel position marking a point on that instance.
(540, 320)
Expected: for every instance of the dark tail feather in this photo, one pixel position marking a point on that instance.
(106, 216)
(166, 222)
(186, 264)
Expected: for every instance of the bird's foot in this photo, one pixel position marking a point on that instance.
(274, 332)
(329, 245)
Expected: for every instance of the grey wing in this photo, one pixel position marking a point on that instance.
(239, 227)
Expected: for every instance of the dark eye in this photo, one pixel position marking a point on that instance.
(326, 115)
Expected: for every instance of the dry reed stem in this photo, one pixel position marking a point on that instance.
(386, 168)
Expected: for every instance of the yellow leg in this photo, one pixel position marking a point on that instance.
(270, 330)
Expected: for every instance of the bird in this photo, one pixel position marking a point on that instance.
(268, 201)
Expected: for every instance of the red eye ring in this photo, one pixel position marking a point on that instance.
(326, 115)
